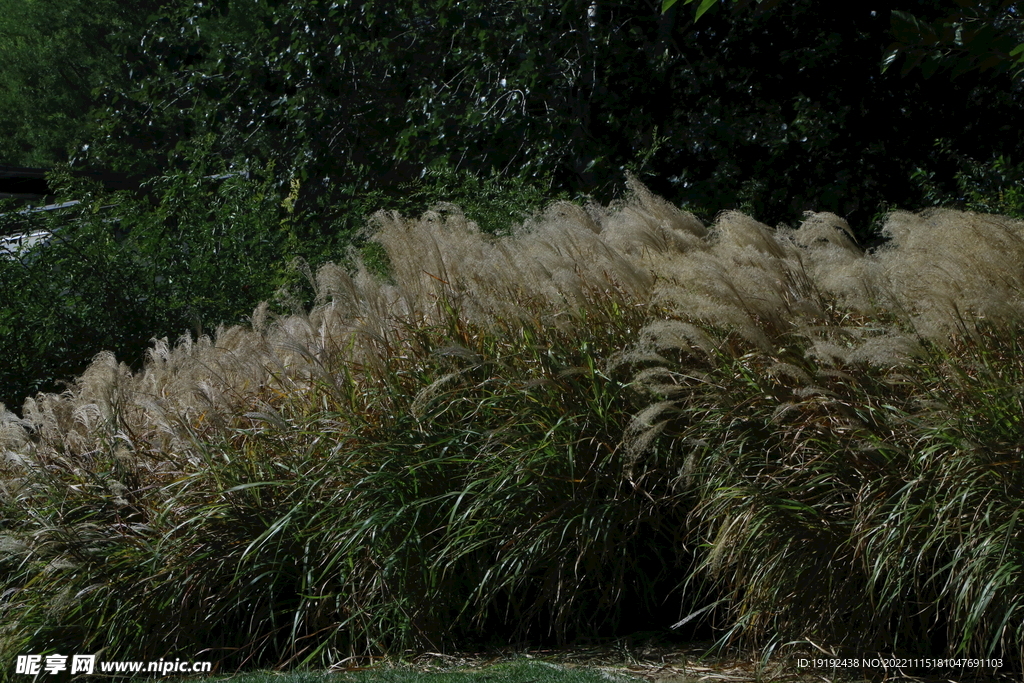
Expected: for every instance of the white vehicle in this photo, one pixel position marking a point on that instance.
(16, 244)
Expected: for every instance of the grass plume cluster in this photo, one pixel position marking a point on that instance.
(612, 414)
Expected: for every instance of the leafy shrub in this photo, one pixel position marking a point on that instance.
(196, 248)
(119, 269)
(996, 186)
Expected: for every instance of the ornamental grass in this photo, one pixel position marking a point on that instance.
(612, 419)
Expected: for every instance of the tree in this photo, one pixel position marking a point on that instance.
(346, 96)
(979, 34)
(355, 90)
(55, 56)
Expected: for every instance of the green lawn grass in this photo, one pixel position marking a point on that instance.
(518, 671)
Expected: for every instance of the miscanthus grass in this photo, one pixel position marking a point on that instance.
(614, 418)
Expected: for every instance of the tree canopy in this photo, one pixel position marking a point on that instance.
(976, 34)
(56, 57)
(568, 94)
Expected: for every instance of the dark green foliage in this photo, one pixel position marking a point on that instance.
(191, 253)
(775, 112)
(56, 56)
(352, 98)
(983, 35)
(978, 35)
(118, 271)
(993, 187)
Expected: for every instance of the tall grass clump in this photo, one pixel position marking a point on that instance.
(411, 463)
(610, 418)
(854, 441)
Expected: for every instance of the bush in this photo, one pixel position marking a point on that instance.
(995, 186)
(120, 269)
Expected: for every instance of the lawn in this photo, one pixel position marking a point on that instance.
(515, 671)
